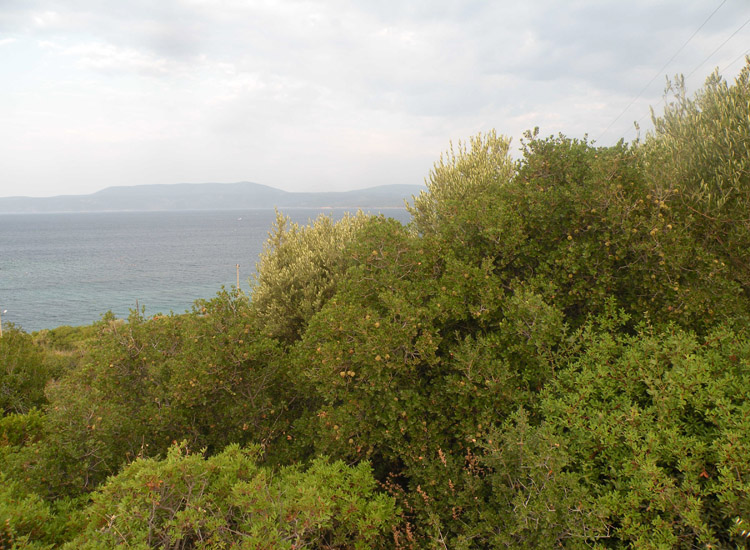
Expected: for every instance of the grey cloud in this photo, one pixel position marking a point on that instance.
(611, 45)
(346, 83)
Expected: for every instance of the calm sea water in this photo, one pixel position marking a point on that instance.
(69, 269)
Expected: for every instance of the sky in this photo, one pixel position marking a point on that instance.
(328, 95)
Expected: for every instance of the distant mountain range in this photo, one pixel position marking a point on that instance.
(209, 196)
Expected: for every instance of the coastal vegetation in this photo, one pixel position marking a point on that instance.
(553, 353)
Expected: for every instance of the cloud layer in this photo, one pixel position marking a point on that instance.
(322, 94)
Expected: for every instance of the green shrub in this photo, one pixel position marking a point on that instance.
(414, 358)
(697, 163)
(644, 443)
(298, 272)
(208, 377)
(189, 501)
(23, 373)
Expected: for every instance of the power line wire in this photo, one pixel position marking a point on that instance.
(717, 49)
(743, 54)
(723, 70)
(746, 53)
(663, 100)
(659, 72)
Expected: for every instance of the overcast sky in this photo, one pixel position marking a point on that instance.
(327, 94)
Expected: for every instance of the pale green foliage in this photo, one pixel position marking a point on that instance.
(227, 501)
(462, 174)
(298, 270)
(656, 429)
(698, 162)
(25, 519)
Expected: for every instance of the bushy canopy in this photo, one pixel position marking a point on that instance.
(228, 501)
(698, 161)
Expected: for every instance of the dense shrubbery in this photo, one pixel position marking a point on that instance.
(553, 353)
(698, 161)
(188, 501)
(23, 372)
(210, 378)
(298, 272)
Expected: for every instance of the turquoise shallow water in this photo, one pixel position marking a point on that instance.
(69, 269)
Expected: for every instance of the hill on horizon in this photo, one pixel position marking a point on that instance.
(209, 196)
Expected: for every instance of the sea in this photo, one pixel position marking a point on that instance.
(71, 268)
